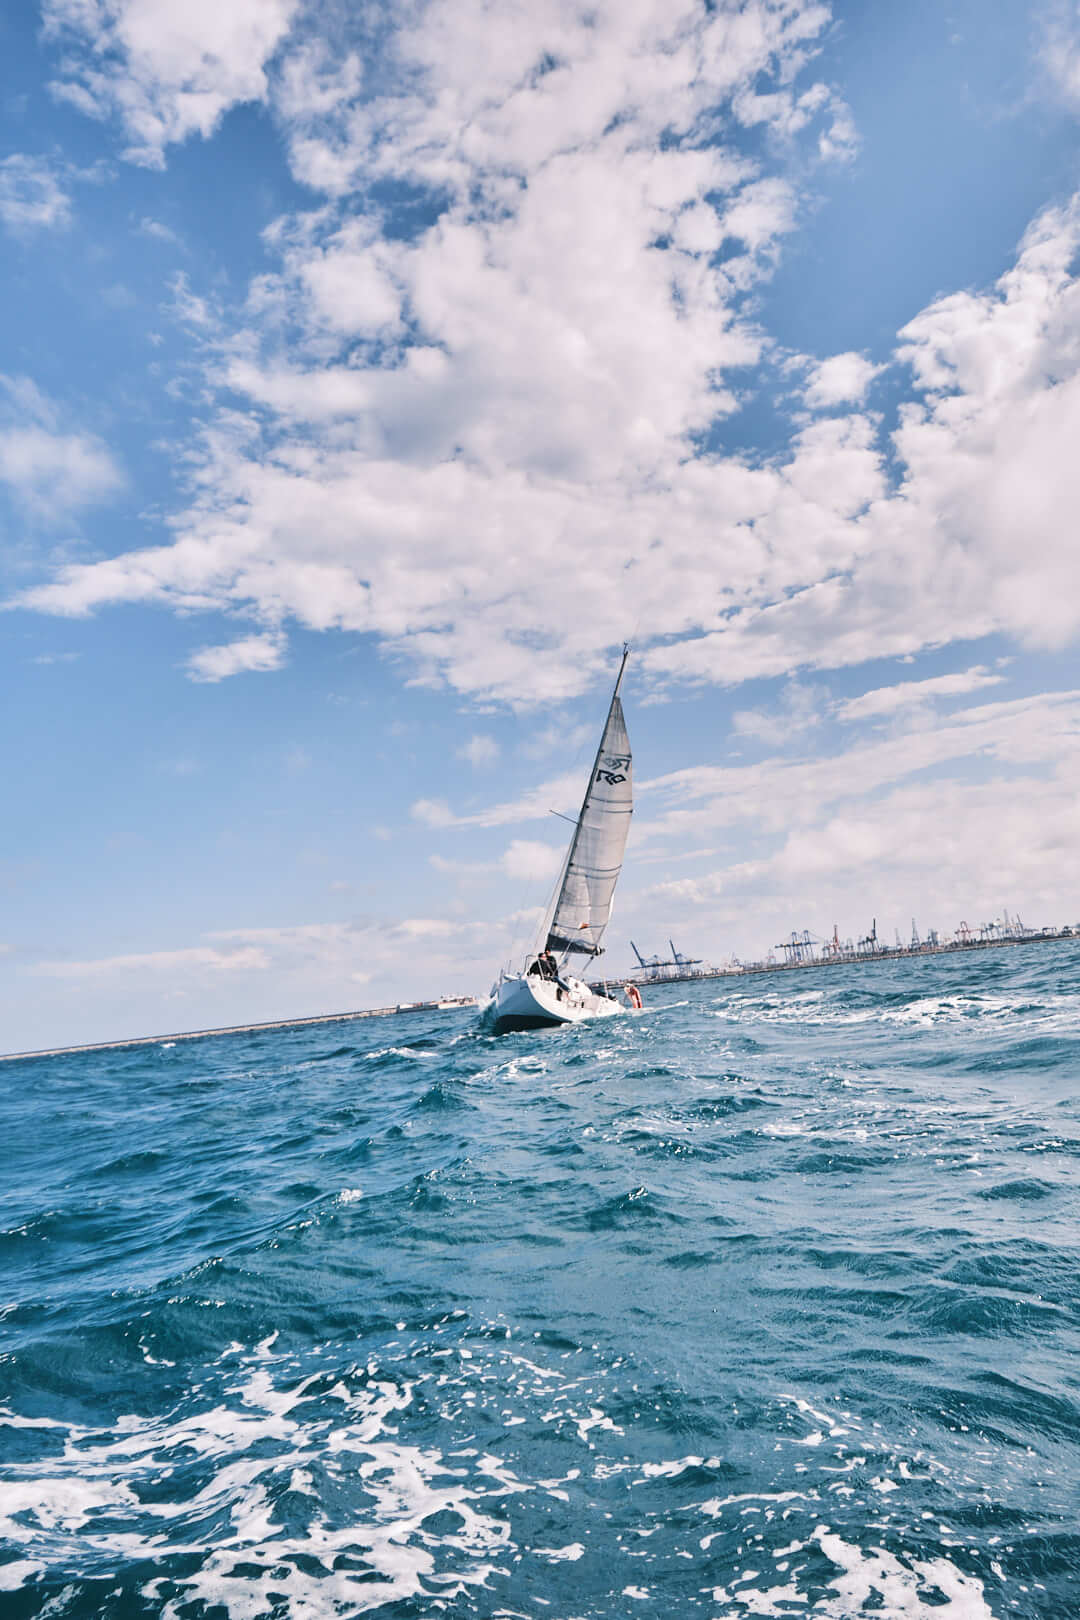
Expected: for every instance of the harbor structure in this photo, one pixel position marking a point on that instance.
(1003, 932)
(805, 950)
(657, 969)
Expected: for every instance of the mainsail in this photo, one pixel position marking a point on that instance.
(582, 902)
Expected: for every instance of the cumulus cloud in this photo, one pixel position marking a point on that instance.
(166, 72)
(237, 657)
(31, 195)
(50, 469)
(975, 537)
(56, 472)
(843, 379)
(529, 373)
(526, 375)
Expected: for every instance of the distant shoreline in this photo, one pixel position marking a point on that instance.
(452, 1003)
(446, 1004)
(904, 953)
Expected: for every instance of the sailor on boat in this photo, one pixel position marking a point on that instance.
(543, 992)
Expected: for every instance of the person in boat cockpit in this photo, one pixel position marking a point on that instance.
(546, 967)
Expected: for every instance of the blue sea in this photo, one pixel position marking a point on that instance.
(762, 1302)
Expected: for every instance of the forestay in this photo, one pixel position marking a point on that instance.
(583, 902)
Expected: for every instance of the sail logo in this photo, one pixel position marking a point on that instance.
(617, 766)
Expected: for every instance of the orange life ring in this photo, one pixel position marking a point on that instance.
(633, 996)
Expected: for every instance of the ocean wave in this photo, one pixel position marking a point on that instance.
(765, 1304)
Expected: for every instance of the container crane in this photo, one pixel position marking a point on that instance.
(660, 967)
(799, 948)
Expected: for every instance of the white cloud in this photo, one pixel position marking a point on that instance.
(887, 700)
(160, 231)
(460, 869)
(535, 803)
(799, 708)
(941, 851)
(480, 442)
(843, 379)
(951, 820)
(479, 750)
(840, 142)
(432, 812)
(194, 959)
(426, 928)
(165, 71)
(781, 793)
(530, 861)
(187, 307)
(231, 976)
(539, 359)
(414, 955)
(779, 797)
(561, 737)
(49, 470)
(976, 538)
(351, 284)
(31, 196)
(56, 472)
(237, 657)
(1060, 52)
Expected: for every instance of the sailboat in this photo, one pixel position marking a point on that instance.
(543, 992)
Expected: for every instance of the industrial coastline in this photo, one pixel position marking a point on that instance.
(805, 950)
(800, 952)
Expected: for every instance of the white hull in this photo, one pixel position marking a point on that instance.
(529, 1002)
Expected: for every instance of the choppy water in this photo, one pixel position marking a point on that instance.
(764, 1302)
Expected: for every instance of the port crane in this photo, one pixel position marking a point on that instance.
(663, 967)
(799, 948)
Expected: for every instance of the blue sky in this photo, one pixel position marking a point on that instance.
(370, 373)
